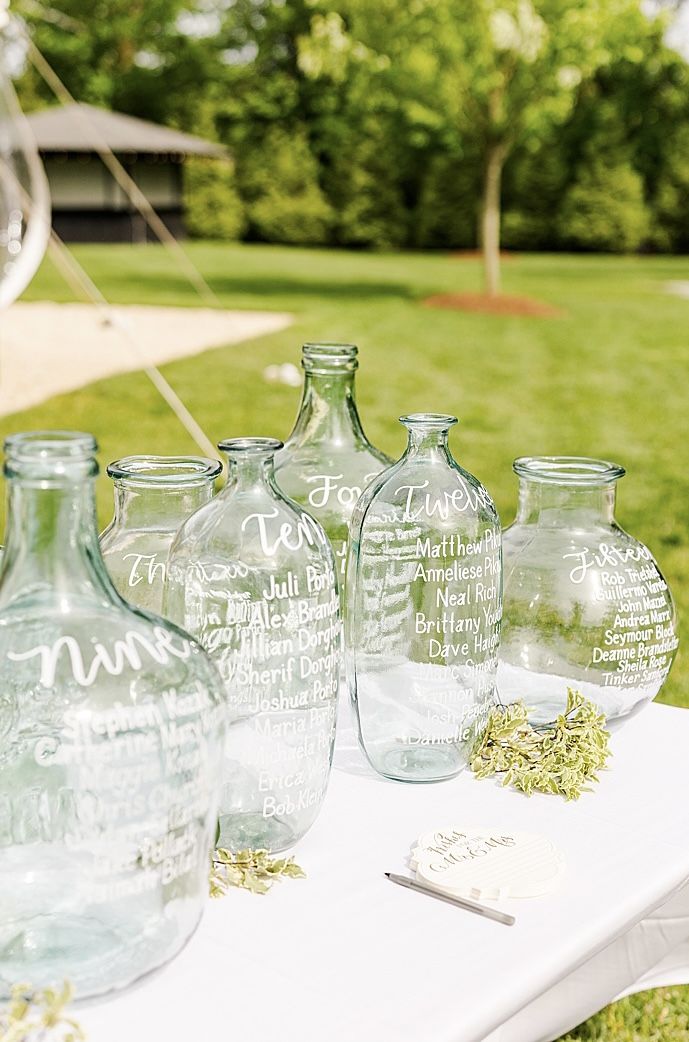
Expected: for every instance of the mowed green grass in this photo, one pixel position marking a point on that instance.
(609, 379)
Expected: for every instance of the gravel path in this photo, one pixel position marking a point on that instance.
(47, 349)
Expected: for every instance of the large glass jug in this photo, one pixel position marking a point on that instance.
(424, 581)
(111, 729)
(585, 604)
(153, 496)
(327, 461)
(251, 575)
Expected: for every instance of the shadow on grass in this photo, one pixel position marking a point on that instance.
(280, 286)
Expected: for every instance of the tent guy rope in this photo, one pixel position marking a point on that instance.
(76, 276)
(79, 280)
(122, 178)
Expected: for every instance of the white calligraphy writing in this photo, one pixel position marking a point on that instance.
(123, 653)
(289, 536)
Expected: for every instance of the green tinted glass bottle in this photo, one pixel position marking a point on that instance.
(327, 460)
(111, 732)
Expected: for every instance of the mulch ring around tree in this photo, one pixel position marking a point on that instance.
(487, 305)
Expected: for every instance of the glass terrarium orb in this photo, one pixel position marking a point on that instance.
(24, 195)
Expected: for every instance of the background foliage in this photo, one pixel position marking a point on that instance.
(367, 123)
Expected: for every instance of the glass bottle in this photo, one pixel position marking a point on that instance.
(111, 728)
(424, 582)
(585, 603)
(153, 496)
(327, 460)
(251, 575)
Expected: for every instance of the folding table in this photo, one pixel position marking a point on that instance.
(346, 956)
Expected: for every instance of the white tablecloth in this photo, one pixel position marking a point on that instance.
(346, 956)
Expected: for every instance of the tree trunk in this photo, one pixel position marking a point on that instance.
(490, 217)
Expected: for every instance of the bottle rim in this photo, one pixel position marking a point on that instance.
(164, 471)
(568, 470)
(431, 421)
(250, 446)
(50, 457)
(50, 445)
(329, 357)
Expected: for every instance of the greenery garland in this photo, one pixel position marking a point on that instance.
(250, 870)
(34, 1015)
(561, 758)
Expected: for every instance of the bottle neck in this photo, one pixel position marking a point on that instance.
(246, 473)
(52, 541)
(429, 445)
(550, 504)
(158, 507)
(328, 411)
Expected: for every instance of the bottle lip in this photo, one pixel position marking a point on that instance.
(329, 357)
(568, 470)
(164, 471)
(50, 446)
(431, 421)
(50, 457)
(250, 446)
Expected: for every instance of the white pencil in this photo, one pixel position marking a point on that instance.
(460, 902)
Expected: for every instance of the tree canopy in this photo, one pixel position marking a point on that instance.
(388, 123)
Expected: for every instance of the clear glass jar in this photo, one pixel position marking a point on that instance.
(111, 727)
(327, 461)
(424, 581)
(153, 496)
(586, 606)
(252, 576)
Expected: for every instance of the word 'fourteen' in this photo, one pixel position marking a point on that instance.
(612, 556)
(464, 497)
(289, 536)
(328, 485)
(123, 653)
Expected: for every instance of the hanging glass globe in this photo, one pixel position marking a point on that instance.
(24, 195)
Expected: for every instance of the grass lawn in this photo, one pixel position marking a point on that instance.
(607, 379)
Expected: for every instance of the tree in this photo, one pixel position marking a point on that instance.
(213, 209)
(386, 123)
(269, 114)
(137, 56)
(283, 199)
(604, 209)
(497, 72)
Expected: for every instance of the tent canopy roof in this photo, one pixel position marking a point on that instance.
(85, 128)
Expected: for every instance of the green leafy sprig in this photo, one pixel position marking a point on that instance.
(39, 1016)
(250, 870)
(559, 758)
